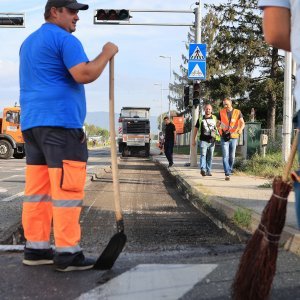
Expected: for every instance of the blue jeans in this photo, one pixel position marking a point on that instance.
(228, 153)
(297, 184)
(297, 199)
(206, 155)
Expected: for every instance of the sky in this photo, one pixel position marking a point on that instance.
(140, 74)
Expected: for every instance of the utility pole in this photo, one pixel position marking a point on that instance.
(195, 110)
(287, 108)
(170, 77)
(161, 97)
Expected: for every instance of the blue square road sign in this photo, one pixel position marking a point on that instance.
(197, 70)
(197, 52)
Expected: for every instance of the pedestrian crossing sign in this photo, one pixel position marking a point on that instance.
(197, 70)
(197, 62)
(197, 52)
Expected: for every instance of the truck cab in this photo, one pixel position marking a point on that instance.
(11, 139)
(134, 131)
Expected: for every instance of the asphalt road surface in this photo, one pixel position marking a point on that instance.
(172, 252)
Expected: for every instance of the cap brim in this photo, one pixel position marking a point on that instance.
(77, 6)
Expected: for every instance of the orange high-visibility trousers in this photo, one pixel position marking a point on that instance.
(54, 191)
(37, 207)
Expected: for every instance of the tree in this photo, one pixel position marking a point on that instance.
(95, 130)
(245, 58)
(239, 62)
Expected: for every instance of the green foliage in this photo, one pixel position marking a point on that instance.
(240, 65)
(269, 166)
(181, 149)
(95, 130)
(242, 217)
(266, 185)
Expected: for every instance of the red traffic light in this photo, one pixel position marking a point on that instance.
(101, 15)
(112, 15)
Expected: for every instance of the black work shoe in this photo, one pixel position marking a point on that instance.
(203, 173)
(171, 164)
(66, 262)
(37, 257)
(227, 177)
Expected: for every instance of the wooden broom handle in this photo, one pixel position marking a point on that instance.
(289, 163)
(113, 148)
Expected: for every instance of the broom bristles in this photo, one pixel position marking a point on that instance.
(256, 269)
(257, 266)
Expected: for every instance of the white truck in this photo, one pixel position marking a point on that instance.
(134, 131)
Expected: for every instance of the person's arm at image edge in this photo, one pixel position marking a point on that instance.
(275, 35)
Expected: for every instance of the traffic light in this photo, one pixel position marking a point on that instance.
(7, 21)
(196, 93)
(186, 96)
(112, 16)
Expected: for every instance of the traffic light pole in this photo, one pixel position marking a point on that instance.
(287, 108)
(195, 109)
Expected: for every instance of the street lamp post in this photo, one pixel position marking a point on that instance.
(161, 96)
(170, 64)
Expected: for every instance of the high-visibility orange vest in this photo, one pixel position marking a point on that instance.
(234, 122)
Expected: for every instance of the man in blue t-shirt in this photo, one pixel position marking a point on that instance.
(53, 71)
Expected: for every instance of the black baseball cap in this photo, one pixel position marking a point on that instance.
(72, 4)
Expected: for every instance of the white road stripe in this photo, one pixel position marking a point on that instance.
(8, 248)
(12, 197)
(152, 281)
(13, 176)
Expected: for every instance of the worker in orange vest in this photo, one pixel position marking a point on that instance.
(230, 125)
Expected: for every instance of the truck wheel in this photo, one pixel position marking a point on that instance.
(6, 150)
(19, 155)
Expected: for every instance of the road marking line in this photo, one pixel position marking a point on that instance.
(12, 197)
(152, 281)
(3, 179)
(8, 248)
(2, 190)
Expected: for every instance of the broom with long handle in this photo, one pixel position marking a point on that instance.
(257, 267)
(117, 242)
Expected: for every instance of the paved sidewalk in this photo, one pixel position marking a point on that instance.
(241, 192)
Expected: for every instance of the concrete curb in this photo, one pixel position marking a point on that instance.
(222, 212)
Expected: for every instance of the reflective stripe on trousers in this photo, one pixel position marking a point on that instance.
(44, 200)
(37, 207)
(55, 177)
